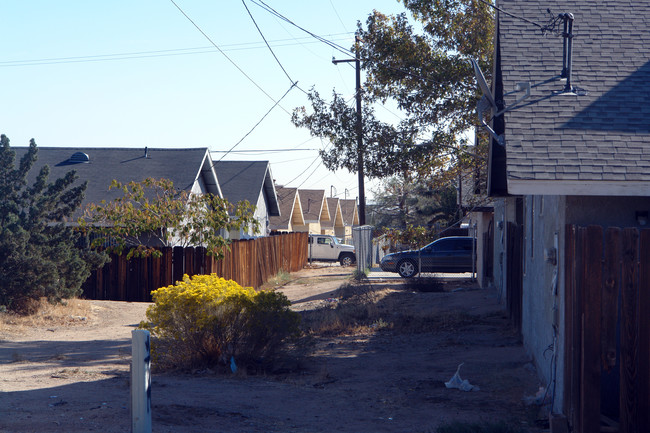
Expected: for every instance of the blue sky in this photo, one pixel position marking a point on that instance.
(138, 73)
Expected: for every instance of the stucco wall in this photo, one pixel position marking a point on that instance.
(482, 221)
(504, 211)
(543, 288)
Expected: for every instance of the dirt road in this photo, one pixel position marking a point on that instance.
(76, 378)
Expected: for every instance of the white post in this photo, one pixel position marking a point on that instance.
(140, 381)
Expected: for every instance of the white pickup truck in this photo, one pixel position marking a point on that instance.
(327, 248)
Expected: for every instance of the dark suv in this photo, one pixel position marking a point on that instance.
(452, 254)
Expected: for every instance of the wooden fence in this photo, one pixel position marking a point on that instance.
(607, 344)
(249, 262)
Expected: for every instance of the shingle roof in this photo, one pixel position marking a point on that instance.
(349, 211)
(184, 167)
(592, 144)
(336, 216)
(286, 200)
(312, 202)
(246, 180)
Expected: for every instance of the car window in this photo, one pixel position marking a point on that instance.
(324, 241)
(444, 245)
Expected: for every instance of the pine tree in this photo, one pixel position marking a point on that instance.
(38, 253)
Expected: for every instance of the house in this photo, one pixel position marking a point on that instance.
(290, 211)
(314, 210)
(576, 151)
(251, 181)
(336, 222)
(350, 214)
(189, 169)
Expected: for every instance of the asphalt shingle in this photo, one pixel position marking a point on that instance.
(606, 133)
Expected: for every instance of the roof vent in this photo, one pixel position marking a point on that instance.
(79, 157)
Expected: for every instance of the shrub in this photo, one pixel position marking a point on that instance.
(207, 320)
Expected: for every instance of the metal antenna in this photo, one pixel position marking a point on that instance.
(567, 50)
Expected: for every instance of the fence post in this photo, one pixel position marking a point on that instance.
(140, 381)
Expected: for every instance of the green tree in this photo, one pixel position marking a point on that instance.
(387, 149)
(153, 213)
(422, 63)
(419, 61)
(400, 203)
(38, 256)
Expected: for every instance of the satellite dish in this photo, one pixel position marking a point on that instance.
(483, 85)
(486, 103)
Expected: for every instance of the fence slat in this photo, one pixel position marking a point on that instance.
(249, 262)
(178, 268)
(573, 333)
(591, 307)
(644, 331)
(611, 270)
(629, 334)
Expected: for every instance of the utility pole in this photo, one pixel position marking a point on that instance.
(362, 194)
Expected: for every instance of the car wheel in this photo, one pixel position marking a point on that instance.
(346, 260)
(407, 268)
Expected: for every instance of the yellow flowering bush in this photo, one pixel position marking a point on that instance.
(207, 320)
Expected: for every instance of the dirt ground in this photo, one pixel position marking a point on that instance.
(75, 378)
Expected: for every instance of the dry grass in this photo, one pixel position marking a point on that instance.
(363, 308)
(277, 280)
(70, 312)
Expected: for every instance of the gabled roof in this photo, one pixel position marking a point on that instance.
(246, 180)
(594, 144)
(335, 213)
(350, 212)
(290, 209)
(314, 207)
(188, 169)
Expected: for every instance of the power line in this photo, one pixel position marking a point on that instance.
(262, 150)
(291, 160)
(338, 16)
(156, 53)
(272, 11)
(548, 27)
(234, 64)
(257, 124)
(308, 167)
(267, 44)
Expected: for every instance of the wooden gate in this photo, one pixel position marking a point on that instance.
(607, 324)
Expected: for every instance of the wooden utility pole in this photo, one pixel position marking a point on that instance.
(362, 194)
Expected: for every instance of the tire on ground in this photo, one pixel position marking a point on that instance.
(346, 259)
(407, 268)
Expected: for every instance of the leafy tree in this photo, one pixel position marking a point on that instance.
(387, 149)
(420, 62)
(38, 257)
(153, 212)
(400, 203)
(425, 68)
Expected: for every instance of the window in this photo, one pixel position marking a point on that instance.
(324, 241)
